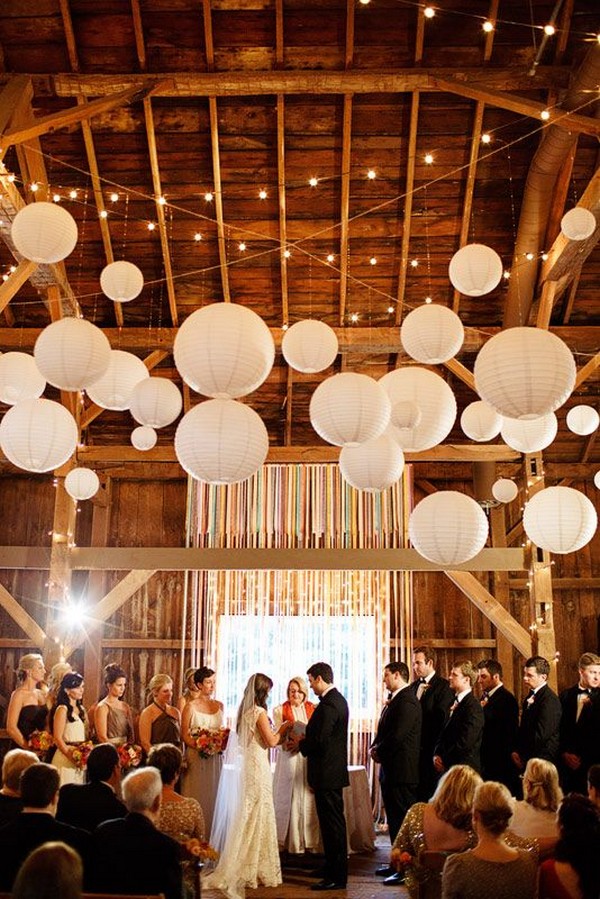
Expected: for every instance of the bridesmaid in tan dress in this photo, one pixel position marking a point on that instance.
(160, 722)
(113, 719)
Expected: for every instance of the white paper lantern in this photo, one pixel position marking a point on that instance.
(221, 441)
(480, 422)
(82, 483)
(113, 390)
(38, 435)
(155, 402)
(144, 438)
(349, 409)
(475, 270)
(448, 528)
(20, 378)
(597, 479)
(44, 232)
(406, 415)
(72, 353)
(309, 346)
(433, 397)
(560, 519)
(372, 466)
(504, 490)
(529, 436)
(578, 223)
(525, 372)
(432, 334)
(582, 420)
(121, 281)
(224, 350)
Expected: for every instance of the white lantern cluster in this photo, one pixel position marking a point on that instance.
(20, 378)
(82, 483)
(114, 389)
(121, 281)
(72, 353)
(349, 409)
(432, 334)
(38, 435)
(560, 519)
(309, 346)
(372, 466)
(448, 528)
(529, 435)
(432, 397)
(155, 402)
(475, 270)
(44, 232)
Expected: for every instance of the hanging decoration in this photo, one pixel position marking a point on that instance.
(582, 420)
(578, 223)
(475, 270)
(309, 346)
(373, 466)
(82, 483)
(38, 435)
(348, 409)
(114, 389)
(432, 333)
(504, 490)
(72, 353)
(406, 415)
(44, 232)
(435, 400)
(448, 528)
(155, 402)
(529, 436)
(560, 519)
(480, 422)
(144, 438)
(20, 378)
(121, 281)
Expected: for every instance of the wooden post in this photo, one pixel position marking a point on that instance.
(59, 580)
(504, 650)
(92, 648)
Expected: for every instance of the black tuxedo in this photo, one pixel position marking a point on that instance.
(538, 734)
(88, 805)
(28, 831)
(435, 706)
(325, 746)
(580, 736)
(396, 747)
(460, 740)
(501, 722)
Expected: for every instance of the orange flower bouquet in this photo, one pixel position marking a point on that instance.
(40, 742)
(200, 849)
(130, 755)
(210, 742)
(81, 752)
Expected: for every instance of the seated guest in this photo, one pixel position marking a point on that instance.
(130, 854)
(35, 825)
(593, 780)
(88, 805)
(14, 763)
(493, 868)
(53, 870)
(535, 814)
(574, 872)
(180, 816)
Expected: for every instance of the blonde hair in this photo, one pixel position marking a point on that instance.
(467, 670)
(14, 763)
(27, 664)
(453, 798)
(494, 806)
(541, 788)
(301, 684)
(57, 672)
(159, 681)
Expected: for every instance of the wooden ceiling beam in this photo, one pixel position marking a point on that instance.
(345, 169)
(411, 161)
(565, 257)
(22, 618)
(281, 196)
(9, 288)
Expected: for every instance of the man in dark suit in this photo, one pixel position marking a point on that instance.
(396, 748)
(435, 697)
(539, 729)
(580, 726)
(460, 740)
(501, 722)
(130, 855)
(88, 805)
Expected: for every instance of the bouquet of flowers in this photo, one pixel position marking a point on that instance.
(210, 742)
(200, 849)
(81, 752)
(130, 755)
(40, 742)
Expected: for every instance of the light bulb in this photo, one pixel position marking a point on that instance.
(197, 236)
(549, 30)
(73, 194)
(313, 181)
(371, 174)
(545, 115)
(114, 198)
(488, 26)
(428, 159)
(429, 12)
(208, 196)
(330, 257)
(151, 226)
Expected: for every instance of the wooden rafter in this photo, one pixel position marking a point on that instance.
(281, 197)
(565, 257)
(345, 168)
(8, 289)
(16, 611)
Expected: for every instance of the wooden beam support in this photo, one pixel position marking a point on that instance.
(8, 289)
(565, 257)
(587, 370)
(18, 614)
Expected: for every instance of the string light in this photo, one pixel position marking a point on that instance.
(34, 186)
(506, 274)
(414, 263)
(313, 181)
(287, 254)
(529, 256)
(262, 194)
(197, 236)
(208, 196)
(390, 310)
(428, 159)
(13, 269)
(371, 174)
(544, 257)
(103, 214)
(56, 198)
(486, 138)
(11, 178)
(114, 197)
(151, 226)
(242, 246)
(330, 257)
(284, 326)
(549, 29)
(488, 26)
(73, 194)
(162, 201)
(545, 114)
(354, 317)
(429, 12)
(373, 260)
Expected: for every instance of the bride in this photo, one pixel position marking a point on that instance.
(244, 828)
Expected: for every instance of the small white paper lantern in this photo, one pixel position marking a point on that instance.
(309, 346)
(406, 415)
(578, 223)
(372, 466)
(349, 409)
(525, 372)
(504, 490)
(480, 422)
(597, 479)
(113, 390)
(221, 442)
(224, 350)
(448, 528)
(560, 519)
(44, 232)
(475, 270)
(434, 399)
(38, 435)
(82, 483)
(121, 281)
(155, 402)
(144, 438)
(529, 436)
(582, 420)
(20, 378)
(72, 353)
(432, 334)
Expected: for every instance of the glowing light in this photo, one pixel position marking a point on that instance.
(373, 260)
(549, 30)
(313, 181)
(428, 159)
(506, 274)
(390, 310)
(545, 115)
(414, 263)
(197, 236)
(428, 300)
(354, 317)
(242, 246)
(544, 257)
(429, 12)
(151, 226)
(56, 198)
(284, 327)
(114, 198)
(11, 178)
(486, 138)
(73, 194)
(103, 214)
(34, 187)
(287, 254)
(12, 269)
(488, 26)
(162, 201)
(529, 256)
(208, 196)
(371, 174)
(330, 257)
(262, 194)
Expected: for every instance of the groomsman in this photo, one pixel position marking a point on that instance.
(580, 726)
(539, 729)
(501, 722)
(435, 697)
(460, 740)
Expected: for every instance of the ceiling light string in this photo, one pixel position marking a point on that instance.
(80, 241)
(428, 298)
(125, 224)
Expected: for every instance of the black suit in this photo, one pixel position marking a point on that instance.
(325, 746)
(460, 740)
(580, 736)
(501, 722)
(538, 734)
(435, 706)
(28, 831)
(396, 748)
(88, 805)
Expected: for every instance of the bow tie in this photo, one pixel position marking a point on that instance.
(583, 691)
(390, 696)
(422, 680)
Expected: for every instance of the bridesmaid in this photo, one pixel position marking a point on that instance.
(67, 720)
(160, 722)
(57, 672)
(201, 778)
(27, 707)
(113, 720)
(190, 689)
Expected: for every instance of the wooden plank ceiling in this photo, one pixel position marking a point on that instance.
(208, 119)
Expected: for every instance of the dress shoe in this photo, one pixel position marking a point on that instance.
(394, 880)
(325, 885)
(384, 871)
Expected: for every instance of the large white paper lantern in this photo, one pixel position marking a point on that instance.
(72, 353)
(82, 483)
(560, 519)
(224, 350)
(38, 435)
(504, 490)
(155, 402)
(44, 232)
(475, 270)
(121, 281)
(525, 372)
(406, 415)
(529, 436)
(221, 441)
(372, 466)
(20, 378)
(309, 346)
(582, 420)
(435, 400)
(349, 409)
(578, 223)
(113, 390)
(448, 528)
(597, 480)
(432, 334)
(480, 422)
(144, 438)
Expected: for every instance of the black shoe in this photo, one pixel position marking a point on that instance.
(394, 880)
(385, 871)
(327, 885)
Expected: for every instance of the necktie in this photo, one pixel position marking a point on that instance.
(484, 697)
(454, 706)
(390, 696)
